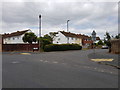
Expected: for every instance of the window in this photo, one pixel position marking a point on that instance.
(76, 38)
(13, 38)
(58, 39)
(72, 38)
(18, 37)
(8, 38)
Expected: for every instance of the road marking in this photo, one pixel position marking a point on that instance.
(45, 61)
(102, 70)
(63, 63)
(25, 53)
(111, 72)
(41, 60)
(15, 62)
(97, 60)
(55, 62)
(95, 68)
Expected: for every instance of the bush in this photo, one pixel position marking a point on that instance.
(100, 42)
(44, 42)
(62, 47)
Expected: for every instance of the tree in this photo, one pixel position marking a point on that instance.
(100, 42)
(117, 36)
(48, 37)
(107, 40)
(108, 37)
(44, 42)
(29, 37)
(53, 35)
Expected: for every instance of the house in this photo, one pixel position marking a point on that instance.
(67, 37)
(14, 38)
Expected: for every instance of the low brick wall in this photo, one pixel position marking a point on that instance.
(115, 46)
(19, 47)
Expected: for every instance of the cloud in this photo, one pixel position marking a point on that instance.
(83, 16)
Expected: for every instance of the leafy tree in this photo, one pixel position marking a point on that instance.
(44, 42)
(53, 35)
(29, 37)
(48, 37)
(100, 42)
(117, 36)
(108, 37)
(107, 40)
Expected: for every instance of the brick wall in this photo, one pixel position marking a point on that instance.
(19, 47)
(115, 46)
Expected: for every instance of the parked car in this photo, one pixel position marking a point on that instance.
(104, 47)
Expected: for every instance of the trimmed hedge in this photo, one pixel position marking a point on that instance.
(62, 47)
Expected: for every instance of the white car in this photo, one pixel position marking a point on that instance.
(104, 47)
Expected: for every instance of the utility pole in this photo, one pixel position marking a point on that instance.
(39, 32)
(67, 31)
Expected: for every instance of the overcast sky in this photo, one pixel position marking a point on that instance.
(84, 17)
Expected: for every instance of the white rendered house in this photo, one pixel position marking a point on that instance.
(15, 37)
(67, 37)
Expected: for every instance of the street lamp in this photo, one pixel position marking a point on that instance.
(67, 31)
(94, 39)
(39, 31)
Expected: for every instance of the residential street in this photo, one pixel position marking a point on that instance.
(63, 69)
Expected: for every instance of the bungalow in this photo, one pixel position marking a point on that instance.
(15, 37)
(67, 37)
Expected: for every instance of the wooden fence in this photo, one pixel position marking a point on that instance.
(19, 47)
(115, 46)
(0, 43)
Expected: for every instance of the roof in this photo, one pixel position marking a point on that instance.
(69, 34)
(97, 38)
(18, 33)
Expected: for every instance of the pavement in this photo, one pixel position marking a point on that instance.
(105, 55)
(63, 69)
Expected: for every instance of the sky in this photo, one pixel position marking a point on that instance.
(84, 16)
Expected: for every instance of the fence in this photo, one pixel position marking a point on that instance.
(0, 43)
(19, 47)
(115, 46)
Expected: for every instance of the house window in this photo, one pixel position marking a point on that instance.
(58, 39)
(17, 37)
(76, 38)
(8, 38)
(72, 38)
(13, 38)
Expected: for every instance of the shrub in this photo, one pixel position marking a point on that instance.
(62, 47)
(44, 42)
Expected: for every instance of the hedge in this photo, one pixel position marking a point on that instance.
(62, 47)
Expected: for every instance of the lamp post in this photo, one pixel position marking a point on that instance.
(67, 31)
(39, 32)
(94, 39)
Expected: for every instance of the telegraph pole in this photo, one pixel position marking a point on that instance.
(67, 31)
(39, 32)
